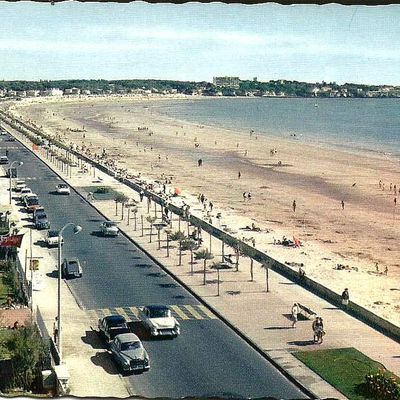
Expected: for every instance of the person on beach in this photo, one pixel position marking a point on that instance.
(380, 184)
(141, 195)
(342, 205)
(395, 189)
(318, 329)
(239, 175)
(244, 196)
(211, 205)
(294, 205)
(395, 201)
(345, 297)
(202, 198)
(377, 267)
(200, 162)
(294, 312)
(386, 270)
(249, 196)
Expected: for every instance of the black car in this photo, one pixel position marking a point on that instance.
(71, 268)
(111, 326)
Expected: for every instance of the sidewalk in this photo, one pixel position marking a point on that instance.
(261, 316)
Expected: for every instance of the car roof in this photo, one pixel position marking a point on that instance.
(154, 307)
(127, 337)
(62, 185)
(115, 318)
(52, 233)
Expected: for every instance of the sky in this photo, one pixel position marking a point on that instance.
(196, 41)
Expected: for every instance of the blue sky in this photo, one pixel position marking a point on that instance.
(198, 41)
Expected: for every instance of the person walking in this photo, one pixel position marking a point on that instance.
(294, 205)
(141, 195)
(342, 205)
(345, 297)
(55, 331)
(294, 312)
(318, 329)
(239, 175)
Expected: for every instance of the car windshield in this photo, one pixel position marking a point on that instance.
(109, 224)
(73, 266)
(53, 233)
(62, 186)
(160, 313)
(130, 345)
(33, 202)
(42, 216)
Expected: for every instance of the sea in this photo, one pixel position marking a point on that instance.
(366, 125)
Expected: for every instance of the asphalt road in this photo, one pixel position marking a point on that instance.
(208, 359)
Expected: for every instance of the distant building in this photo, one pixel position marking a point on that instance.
(85, 91)
(32, 93)
(52, 92)
(227, 81)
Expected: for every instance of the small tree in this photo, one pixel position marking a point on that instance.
(135, 211)
(203, 255)
(179, 237)
(189, 244)
(249, 252)
(151, 220)
(119, 198)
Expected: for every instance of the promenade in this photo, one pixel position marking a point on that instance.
(261, 316)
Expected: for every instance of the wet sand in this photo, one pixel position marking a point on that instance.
(365, 232)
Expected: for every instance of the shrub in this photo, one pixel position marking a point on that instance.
(102, 189)
(382, 386)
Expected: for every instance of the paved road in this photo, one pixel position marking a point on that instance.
(208, 359)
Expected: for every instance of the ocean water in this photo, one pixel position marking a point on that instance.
(371, 125)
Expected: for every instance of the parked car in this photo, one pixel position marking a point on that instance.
(111, 326)
(31, 203)
(10, 139)
(129, 353)
(3, 160)
(63, 188)
(109, 228)
(71, 268)
(13, 172)
(24, 192)
(52, 238)
(3, 133)
(40, 219)
(158, 320)
(19, 185)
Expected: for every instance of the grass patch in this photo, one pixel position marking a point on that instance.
(102, 192)
(345, 369)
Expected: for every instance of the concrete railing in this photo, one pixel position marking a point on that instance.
(354, 309)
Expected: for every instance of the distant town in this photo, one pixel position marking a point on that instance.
(221, 86)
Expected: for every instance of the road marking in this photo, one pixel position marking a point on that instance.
(206, 311)
(193, 312)
(179, 312)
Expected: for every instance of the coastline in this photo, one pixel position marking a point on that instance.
(318, 218)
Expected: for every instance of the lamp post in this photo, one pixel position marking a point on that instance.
(11, 174)
(77, 229)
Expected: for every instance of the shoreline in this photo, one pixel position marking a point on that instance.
(317, 218)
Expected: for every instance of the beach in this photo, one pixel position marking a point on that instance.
(356, 234)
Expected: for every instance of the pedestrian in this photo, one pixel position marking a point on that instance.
(202, 198)
(318, 329)
(395, 201)
(294, 205)
(211, 206)
(141, 195)
(345, 297)
(295, 311)
(395, 189)
(55, 330)
(386, 270)
(239, 175)
(390, 186)
(200, 162)
(377, 267)
(380, 184)
(342, 205)
(244, 196)
(249, 196)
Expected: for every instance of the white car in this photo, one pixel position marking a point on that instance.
(24, 192)
(158, 320)
(52, 239)
(109, 228)
(18, 185)
(63, 188)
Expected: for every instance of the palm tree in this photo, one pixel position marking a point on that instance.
(189, 244)
(120, 198)
(151, 220)
(248, 251)
(178, 236)
(203, 255)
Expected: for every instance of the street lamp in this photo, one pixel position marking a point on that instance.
(77, 229)
(11, 174)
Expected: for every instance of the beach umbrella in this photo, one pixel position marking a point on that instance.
(178, 191)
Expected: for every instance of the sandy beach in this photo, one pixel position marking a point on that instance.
(363, 233)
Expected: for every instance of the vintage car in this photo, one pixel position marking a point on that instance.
(31, 203)
(52, 238)
(40, 219)
(24, 192)
(109, 228)
(71, 268)
(3, 160)
(63, 188)
(129, 353)
(111, 326)
(158, 320)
